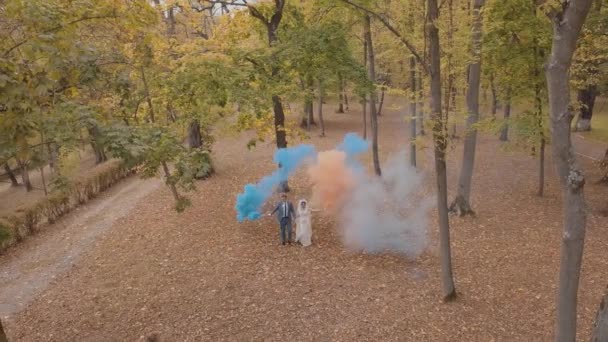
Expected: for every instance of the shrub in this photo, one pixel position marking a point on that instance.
(64, 198)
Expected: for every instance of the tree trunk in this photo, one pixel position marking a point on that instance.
(495, 103)
(586, 98)
(413, 111)
(25, 175)
(147, 94)
(2, 333)
(440, 139)
(504, 132)
(604, 165)
(11, 175)
(46, 193)
(462, 202)
(381, 101)
(320, 109)
(309, 118)
(195, 139)
(341, 96)
(570, 175)
(600, 326)
(96, 144)
(372, 98)
(541, 168)
(345, 95)
(169, 182)
(53, 151)
(364, 100)
(420, 106)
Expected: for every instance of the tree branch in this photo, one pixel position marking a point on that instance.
(385, 22)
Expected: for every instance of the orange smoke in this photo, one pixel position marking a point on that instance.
(332, 180)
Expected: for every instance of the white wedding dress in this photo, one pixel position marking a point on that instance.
(303, 225)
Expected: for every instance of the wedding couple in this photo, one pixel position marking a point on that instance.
(286, 215)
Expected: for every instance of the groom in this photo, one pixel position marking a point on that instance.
(285, 214)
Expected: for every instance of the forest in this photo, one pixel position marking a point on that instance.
(129, 127)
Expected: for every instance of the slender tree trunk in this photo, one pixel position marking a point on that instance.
(96, 144)
(341, 96)
(195, 139)
(372, 99)
(604, 165)
(25, 175)
(169, 182)
(11, 175)
(53, 151)
(495, 103)
(413, 111)
(147, 94)
(586, 98)
(420, 106)
(364, 100)
(570, 175)
(462, 202)
(440, 139)
(541, 162)
(381, 101)
(320, 109)
(504, 132)
(600, 326)
(345, 95)
(2, 333)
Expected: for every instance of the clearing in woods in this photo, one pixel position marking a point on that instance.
(201, 275)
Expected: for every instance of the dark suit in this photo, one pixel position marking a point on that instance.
(285, 214)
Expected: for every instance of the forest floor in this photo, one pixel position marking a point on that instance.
(201, 275)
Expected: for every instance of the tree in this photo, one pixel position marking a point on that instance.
(600, 326)
(413, 111)
(372, 96)
(461, 203)
(440, 137)
(10, 174)
(567, 19)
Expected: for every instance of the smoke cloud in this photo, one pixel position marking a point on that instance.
(374, 214)
(388, 213)
(249, 202)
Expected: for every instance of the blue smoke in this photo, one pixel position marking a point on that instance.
(353, 145)
(249, 202)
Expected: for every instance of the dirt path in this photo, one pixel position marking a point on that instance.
(202, 276)
(29, 269)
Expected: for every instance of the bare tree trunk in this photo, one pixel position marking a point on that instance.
(381, 101)
(147, 94)
(600, 326)
(495, 102)
(96, 144)
(341, 96)
(53, 151)
(586, 98)
(2, 333)
(169, 182)
(11, 175)
(571, 177)
(25, 175)
(440, 139)
(345, 95)
(195, 139)
(372, 99)
(504, 132)
(420, 106)
(462, 202)
(364, 101)
(320, 109)
(413, 111)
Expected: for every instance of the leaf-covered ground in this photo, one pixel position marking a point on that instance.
(201, 275)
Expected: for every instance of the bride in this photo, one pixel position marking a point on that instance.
(303, 224)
